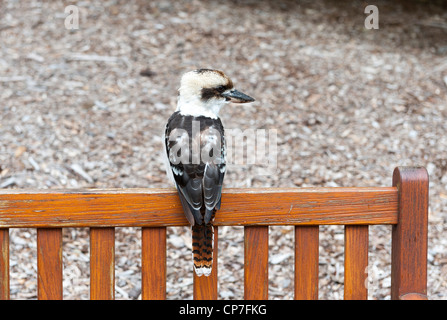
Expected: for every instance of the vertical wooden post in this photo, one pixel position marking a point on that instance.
(4, 264)
(205, 288)
(102, 263)
(256, 251)
(356, 262)
(409, 236)
(49, 264)
(306, 262)
(153, 264)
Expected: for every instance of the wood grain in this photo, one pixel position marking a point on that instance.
(4, 264)
(256, 250)
(102, 263)
(405, 206)
(306, 262)
(161, 207)
(205, 288)
(409, 236)
(49, 264)
(356, 262)
(153, 264)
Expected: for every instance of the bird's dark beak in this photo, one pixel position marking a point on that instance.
(237, 96)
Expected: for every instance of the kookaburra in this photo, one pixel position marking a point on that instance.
(195, 150)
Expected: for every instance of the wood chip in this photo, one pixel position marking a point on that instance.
(87, 108)
(79, 171)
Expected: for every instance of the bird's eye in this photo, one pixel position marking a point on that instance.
(220, 89)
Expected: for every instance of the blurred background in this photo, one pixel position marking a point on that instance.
(86, 108)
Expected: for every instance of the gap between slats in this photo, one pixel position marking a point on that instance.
(49, 243)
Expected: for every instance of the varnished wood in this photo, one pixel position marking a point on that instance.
(161, 207)
(205, 288)
(4, 264)
(49, 264)
(356, 263)
(405, 206)
(256, 250)
(102, 263)
(153, 264)
(409, 236)
(413, 296)
(306, 262)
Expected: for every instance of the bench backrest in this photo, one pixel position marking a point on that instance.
(404, 206)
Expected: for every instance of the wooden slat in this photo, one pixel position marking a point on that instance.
(49, 264)
(306, 262)
(102, 263)
(409, 236)
(256, 263)
(153, 264)
(161, 207)
(205, 288)
(4, 264)
(356, 262)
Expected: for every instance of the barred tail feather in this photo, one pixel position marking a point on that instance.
(202, 248)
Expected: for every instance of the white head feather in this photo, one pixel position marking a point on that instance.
(192, 85)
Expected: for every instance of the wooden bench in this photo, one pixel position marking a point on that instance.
(404, 206)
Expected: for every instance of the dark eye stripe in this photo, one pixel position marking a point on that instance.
(208, 93)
